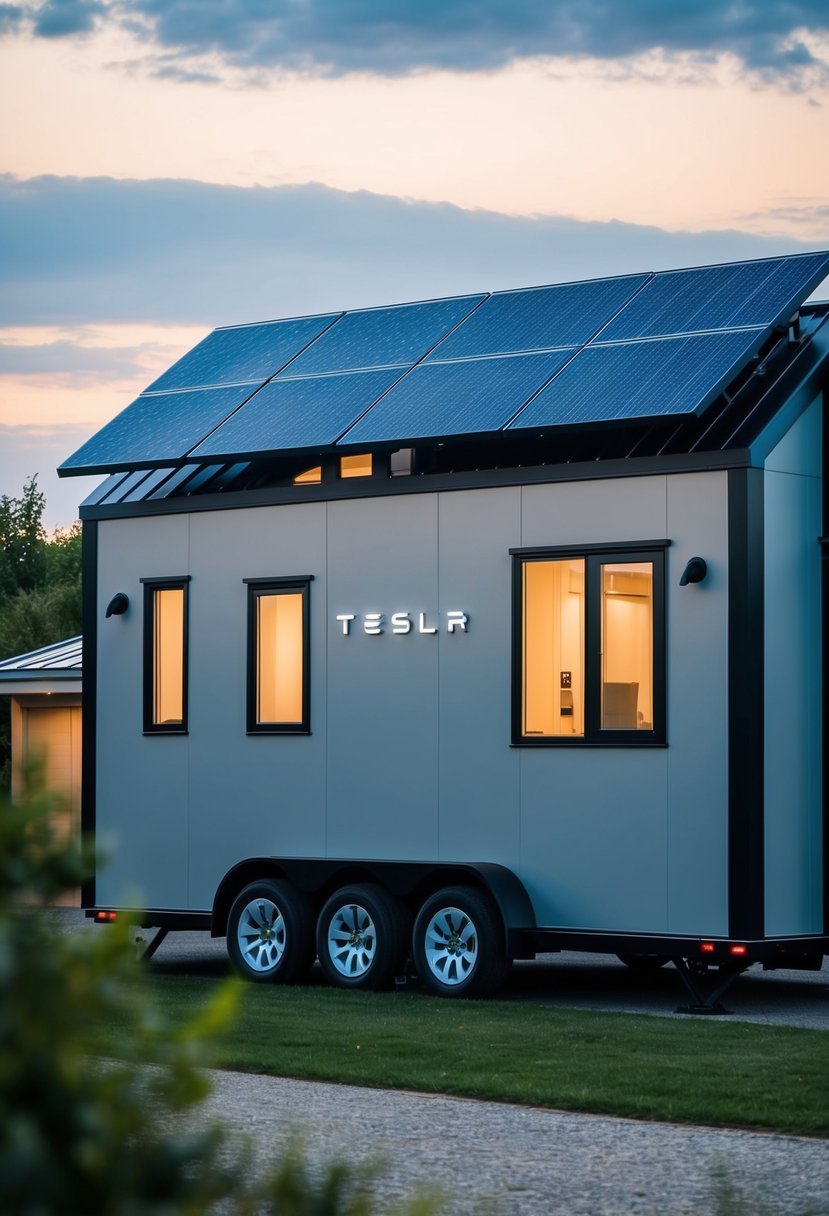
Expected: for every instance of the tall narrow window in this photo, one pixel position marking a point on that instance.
(589, 645)
(278, 674)
(165, 655)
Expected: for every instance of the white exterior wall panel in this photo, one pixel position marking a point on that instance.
(409, 755)
(793, 760)
(697, 674)
(251, 795)
(142, 795)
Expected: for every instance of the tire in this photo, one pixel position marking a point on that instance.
(362, 937)
(644, 962)
(459, 944)
(270, 933)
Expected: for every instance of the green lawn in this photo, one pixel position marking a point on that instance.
(694, 1071)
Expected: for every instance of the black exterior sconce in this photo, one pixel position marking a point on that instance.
(118, 605)
(694, 572)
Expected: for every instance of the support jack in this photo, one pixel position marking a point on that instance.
(146, 949)
(702, 1001)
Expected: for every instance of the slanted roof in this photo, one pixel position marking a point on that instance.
(637, 353)
(59, 665)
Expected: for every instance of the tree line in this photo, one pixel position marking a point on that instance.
(40, 588)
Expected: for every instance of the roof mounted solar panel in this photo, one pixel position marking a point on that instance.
(462, 397)
(383, 337)
(242, 354)
(157, 429)
(737, 295)
(298, 412)
(539, 318)
(610, 382)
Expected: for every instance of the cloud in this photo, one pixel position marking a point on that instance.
(395, 37)
(80, 250)
(62, 357)
(62, 18)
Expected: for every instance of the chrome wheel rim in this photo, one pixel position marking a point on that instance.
(451, 946)
(352, 941)
(260, 935)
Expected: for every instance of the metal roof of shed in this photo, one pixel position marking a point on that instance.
(59, 664)
(631, 352)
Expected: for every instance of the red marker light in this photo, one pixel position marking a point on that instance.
(707, 947)
(105, 918)
(737, 949)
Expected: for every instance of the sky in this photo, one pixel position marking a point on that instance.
(167, 166)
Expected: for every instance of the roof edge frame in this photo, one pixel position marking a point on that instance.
(430, 483)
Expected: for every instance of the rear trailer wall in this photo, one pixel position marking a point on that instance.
(409, 754)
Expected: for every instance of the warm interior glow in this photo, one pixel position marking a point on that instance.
(627, 646)
(356, 466)
(279, 658)
(553, 648)
(309, 477)
(168, 656)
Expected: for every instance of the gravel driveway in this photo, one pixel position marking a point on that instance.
(528, 1161)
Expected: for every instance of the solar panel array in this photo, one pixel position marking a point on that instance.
(605, 350)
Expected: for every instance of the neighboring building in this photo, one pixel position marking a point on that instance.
(476, 626)
(45, 690)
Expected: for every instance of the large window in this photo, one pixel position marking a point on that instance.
(588, 657)
(165, 655)
(278, 674)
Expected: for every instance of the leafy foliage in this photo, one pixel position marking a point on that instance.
(40, 588)
(118, 1138)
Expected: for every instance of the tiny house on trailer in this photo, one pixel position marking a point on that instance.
(472, 628)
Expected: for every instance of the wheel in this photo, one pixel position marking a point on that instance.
(644, 962)
(459, 944)
(361, 937)
(270, 932)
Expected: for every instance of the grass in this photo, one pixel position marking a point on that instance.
(696, 1071)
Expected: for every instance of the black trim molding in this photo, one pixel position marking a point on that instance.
(89, 697)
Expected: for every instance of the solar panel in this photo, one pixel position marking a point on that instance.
(541, 318)
(456, 398)
(383, 337)
(242, 354)
(308, 411)
(159, 427)
(719, 297)
(652, 378)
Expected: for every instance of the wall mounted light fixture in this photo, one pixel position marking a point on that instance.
(694, 572)
(118, 605)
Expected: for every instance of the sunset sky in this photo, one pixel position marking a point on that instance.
(171, 165)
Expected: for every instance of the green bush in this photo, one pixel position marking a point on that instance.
(79, 1135)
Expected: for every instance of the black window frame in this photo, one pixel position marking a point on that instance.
(180, 582)
(594, 557)
(276, 586)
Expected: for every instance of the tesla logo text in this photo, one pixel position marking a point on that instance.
(374, 623)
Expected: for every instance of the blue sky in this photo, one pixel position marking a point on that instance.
(171, 166)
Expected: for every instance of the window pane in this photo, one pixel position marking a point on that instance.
(553, 648)
(309, 477)
(356, 466)
(627, 646)
(279, 645)
(168, 656)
